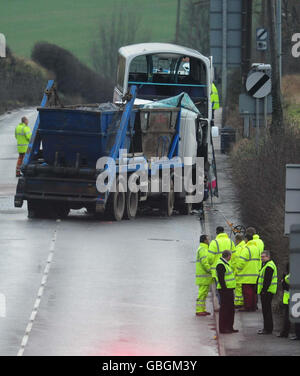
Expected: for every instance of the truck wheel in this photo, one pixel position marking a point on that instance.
(117, 201)
(35, 209)
(132, 201)
(168, 201)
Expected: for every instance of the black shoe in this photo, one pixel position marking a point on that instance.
(263, 331)
(234, 330)
(226, 331)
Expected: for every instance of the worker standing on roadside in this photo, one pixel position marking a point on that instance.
(266, 288)
(217, 246)
(214, 98)
(23, 135)
(259, 243)
(247, 271)
(215, 249)
(203, 276)
(238, 292)
(225, 286)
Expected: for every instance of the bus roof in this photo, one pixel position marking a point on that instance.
(133, 50)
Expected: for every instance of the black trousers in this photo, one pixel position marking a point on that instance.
(226, 314)
(286, 321)
(266, 305)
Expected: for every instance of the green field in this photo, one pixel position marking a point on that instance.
(73, 24)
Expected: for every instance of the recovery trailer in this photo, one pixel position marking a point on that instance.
(161, 113)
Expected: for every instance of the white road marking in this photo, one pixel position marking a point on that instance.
(2, 305)
(39, 294)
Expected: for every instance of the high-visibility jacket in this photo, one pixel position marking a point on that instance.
(216, 247)
(214, 97)
(260, 245)
(236, 255)
(203, 272)
(273, 286)
(248, 264)
(286, 293)
(23, 135)
(229, 275)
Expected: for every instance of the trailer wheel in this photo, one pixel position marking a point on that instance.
(132, 201)
(117, 201)
(168, 200)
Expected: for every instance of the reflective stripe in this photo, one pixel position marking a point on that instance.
(203, 275)
(201, 258)
(247, 275)
(218, 246)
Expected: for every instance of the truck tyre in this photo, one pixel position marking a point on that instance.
(35, 209)
(132, 201)
(168, 201)
(116, 202)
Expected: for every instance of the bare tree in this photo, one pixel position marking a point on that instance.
(195, 25)
(122, 28)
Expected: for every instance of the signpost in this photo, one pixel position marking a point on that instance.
(258, 86)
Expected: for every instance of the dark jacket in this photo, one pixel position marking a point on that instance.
(267, 278)
(221, 270)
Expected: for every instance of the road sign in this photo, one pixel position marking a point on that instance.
(258, 84)
(292, 197)
(261, 39)
(261, 34)
(294, 271)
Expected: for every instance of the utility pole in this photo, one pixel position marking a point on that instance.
(246, 38)
(277, 116)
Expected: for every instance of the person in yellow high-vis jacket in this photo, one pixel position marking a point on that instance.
(238, 292)
(23, 135)
(247, 271)
(214, 98)
(221, 243)
(259, 243)
(225, 286)
(203, 276)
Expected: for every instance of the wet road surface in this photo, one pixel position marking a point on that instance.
(81, 286)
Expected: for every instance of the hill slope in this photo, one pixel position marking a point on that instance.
(73, 24)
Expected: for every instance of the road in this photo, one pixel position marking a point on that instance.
(81, 286)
